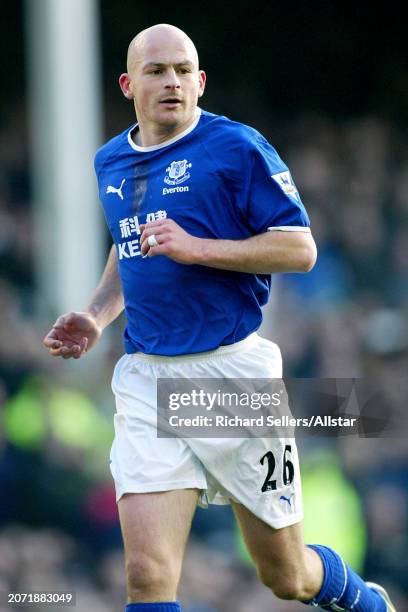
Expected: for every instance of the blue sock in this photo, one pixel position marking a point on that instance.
(342, 588)
(161, 606)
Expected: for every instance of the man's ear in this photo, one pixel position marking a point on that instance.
(202, 77)
(125, 85)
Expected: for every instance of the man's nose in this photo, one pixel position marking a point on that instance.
(172, 79)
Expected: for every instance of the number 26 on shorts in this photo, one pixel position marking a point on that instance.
(288, 471)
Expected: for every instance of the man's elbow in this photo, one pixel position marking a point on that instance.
(308, 258)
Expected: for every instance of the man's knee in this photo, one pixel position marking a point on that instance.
(284, 584)
(146, 573)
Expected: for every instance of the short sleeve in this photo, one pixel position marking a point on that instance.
(273, 201)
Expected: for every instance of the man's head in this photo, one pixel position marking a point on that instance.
(163, 79)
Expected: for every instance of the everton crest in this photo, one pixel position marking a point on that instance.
(177, 172)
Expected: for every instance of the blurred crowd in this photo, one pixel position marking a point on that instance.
(346, 319)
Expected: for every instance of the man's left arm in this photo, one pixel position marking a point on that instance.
(267, 253)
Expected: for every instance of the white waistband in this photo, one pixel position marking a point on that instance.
(248, 342)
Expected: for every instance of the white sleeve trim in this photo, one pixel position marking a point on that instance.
(289, 228)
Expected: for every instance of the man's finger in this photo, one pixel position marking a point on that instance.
(83, 344)
(51, 342)
(154, 223)
(157, 250)
(144, 244)
(66, 352)
(144, 248)
(55, 352)
(150, 231)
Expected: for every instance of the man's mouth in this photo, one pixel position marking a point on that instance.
(171, 101)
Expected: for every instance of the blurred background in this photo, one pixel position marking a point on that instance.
(327, 84)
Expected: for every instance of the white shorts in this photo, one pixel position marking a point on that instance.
(223, 469)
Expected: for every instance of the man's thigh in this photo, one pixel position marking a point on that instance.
(157, 524)
(262, 474)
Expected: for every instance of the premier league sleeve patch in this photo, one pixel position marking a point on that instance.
(285, 182)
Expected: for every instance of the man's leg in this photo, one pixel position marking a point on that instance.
(314, 575)
(155, 528)
(284, 564)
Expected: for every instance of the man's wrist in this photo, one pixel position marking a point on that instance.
(202, 251)
(96, 313)
(217, 252)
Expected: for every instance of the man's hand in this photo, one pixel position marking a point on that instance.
(72, 335)
(172, 240)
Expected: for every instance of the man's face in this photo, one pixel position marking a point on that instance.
(164, 81)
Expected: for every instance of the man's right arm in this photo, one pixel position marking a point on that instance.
(107, 302)
(75, 333)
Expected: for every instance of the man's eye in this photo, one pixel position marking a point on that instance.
(158, 71)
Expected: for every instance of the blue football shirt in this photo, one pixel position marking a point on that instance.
(218, 179)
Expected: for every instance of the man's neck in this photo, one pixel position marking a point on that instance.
(144, 136)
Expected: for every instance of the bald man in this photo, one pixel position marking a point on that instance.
(202, 211)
